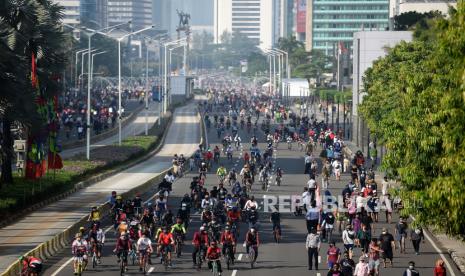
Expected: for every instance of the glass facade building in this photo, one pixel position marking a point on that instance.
(333, 21)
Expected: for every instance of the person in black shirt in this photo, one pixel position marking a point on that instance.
(347, 265)
(275, 219)
(222, 192)
(387, 245)
(214, 192)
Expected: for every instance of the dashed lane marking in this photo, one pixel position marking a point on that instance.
(239, 257)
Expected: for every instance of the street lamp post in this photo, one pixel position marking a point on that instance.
(119, 77)
(76, 66)
(92, 65)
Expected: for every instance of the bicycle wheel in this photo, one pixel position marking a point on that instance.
(251, 256)
(228, 259)
(178, 249)
(215, 268)
(94, 260)
(79, 268)
(121, 268)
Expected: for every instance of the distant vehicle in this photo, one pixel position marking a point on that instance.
(156, 93)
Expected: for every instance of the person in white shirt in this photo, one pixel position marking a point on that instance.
(312, 187)
(251, 203)
(306, 199)
(337, 167)
(348, 238)
(385, 186)
(346, 164)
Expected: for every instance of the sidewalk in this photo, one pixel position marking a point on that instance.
(42, 225)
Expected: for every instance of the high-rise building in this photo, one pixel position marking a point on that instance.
(300, 19)
(264, 21)
(72, 11)
(330, 22)
(94, 13)
(137, 11)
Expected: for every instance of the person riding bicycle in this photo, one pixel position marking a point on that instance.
(237, 141)
(214, 229)
(229, 152)
(30, 265)
(166, 242)
(221, 173)
(123, 246)
(97, 239)
(206, 215)
(252, 240)
(228, 240)
(275, 219)
(254, 141)
(144, 247)
(178, 229)
(216, 152)
(137, 205)
(246, 174)
(94, 216)
(182, 160)
(79, 249)
(232, 176)
(200, 242)
(213, 255)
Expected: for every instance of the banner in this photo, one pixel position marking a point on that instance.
(301, 15)
(244, 65)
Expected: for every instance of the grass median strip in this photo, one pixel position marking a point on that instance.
(24, 193)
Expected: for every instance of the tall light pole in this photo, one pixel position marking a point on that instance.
(165, 81)
(92, 65)
(76, 65)
(119, 77)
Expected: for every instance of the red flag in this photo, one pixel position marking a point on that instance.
(54, 161)
(30, 172)
(33, 70)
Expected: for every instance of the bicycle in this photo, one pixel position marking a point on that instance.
(94, 257)
(200, 257)
(228, 256)
(252, 251)
(178, 246)
(215, 267)
(80, 265)
(278, 180)
(143, 260)
(164, 258)
(133, 256)
(276, 234)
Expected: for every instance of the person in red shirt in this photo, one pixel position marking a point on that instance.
(439, 269)
(165, 242)
(123, 246)
(246, 158)
(213, 255)
(234, 215)
(30, 265)
(228, 241)
(200, 242)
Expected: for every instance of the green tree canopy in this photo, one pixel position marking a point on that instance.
(415, 105)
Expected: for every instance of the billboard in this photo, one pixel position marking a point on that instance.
(301, 15)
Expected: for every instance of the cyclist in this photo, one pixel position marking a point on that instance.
(232, 177)
(275, 219)
(94, 216)
(213, 255)
(144, 247)
(79, 249)
(279, 175)
(182, 162)
(137, 205)
(206, 215)
(221, 173)
(216, 151)
(30, 265)
(123, 246)
(179, 231)
(252, 240)
(237, 141)
(97, 238)
(228, 241)
(214, 229)
(166, 242)
(229, 152)
(200, 242)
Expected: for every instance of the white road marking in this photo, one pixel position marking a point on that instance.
(449, 267)
(319, 259)
(61, 267)
(318, 274)
(234, 272)
(239, 257)
(150, 270)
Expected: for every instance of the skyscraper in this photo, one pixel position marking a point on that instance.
(330, 22)
(137, 11)
(94, 13)
(264, 21)
(72, 11)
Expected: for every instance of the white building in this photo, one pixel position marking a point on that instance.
(368, 46)
(264, 21)
(72, 11)
(398, 7)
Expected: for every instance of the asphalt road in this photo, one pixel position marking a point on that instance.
(183, 137)
(288, 258)
(133, 128)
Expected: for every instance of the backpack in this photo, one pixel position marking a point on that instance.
(330, 219)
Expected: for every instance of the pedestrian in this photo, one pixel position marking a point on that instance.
(439, 269)
(347, 265)
(312, 217)
(191, 164)
(306, 199)
(348, 238)
(312, 245)
(364, 237)
(328, 224)
(311, 183)
(335, 271)
(346, 164)
(362, 269)
(375, 251)
(401, 234)
(416, 236)
(411, 271)
(333, 255)
(388, 246)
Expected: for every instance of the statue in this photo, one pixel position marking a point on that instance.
(183, 19)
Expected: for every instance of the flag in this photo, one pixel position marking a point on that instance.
(54, 161)
(33, 70)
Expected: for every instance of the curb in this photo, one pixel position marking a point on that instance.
(47, 249)
(458, 260)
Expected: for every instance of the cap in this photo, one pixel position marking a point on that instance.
(384, 229)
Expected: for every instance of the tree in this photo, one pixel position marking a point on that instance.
(312, 66)
(27, 27)
(408, 20)
(415, 105)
